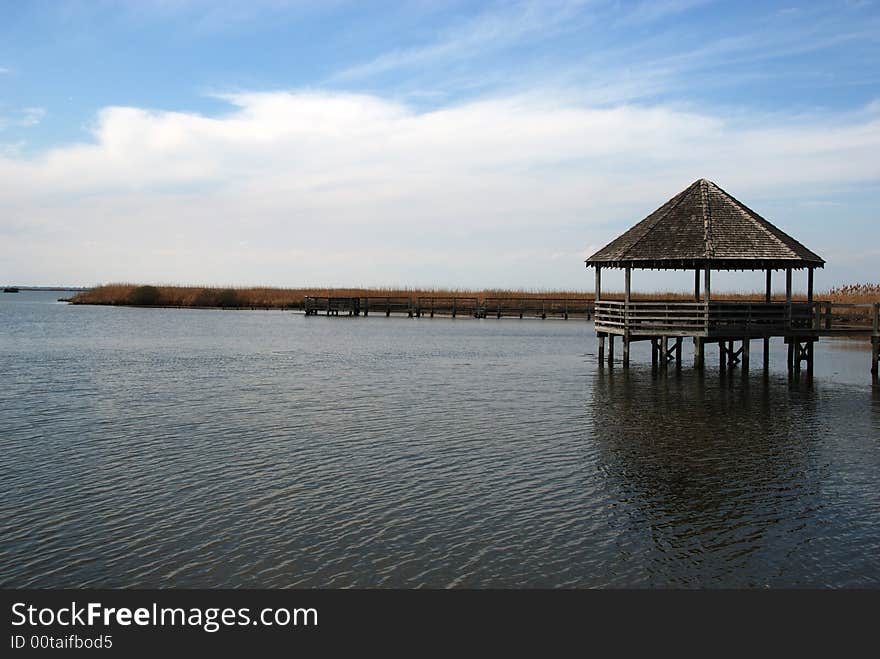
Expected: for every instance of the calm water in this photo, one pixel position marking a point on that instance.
(145, 447)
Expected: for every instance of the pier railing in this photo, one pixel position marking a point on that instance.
(655, 318)
(495, 307)
(537, 307)
(740, 318)
(449, 306)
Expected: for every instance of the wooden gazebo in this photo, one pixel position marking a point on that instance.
(703, 228)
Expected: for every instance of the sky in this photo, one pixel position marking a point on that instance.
(423, 144)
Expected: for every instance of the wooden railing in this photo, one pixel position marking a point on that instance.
(646, 317)
(703, 318)
(538, 307)
(451, 306)
(839, 317)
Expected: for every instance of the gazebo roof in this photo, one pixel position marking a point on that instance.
(703, 226)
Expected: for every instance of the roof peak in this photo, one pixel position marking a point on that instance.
(703, 225)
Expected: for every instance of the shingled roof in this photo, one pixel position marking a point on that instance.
(703, 226)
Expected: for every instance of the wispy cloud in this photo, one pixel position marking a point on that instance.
(485, 33)
(31, 116)
(22, 118)
(589, 48)
(650, 11)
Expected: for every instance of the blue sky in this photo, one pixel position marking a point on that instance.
(422, 143)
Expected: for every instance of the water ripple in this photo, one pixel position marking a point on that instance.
(168, 448)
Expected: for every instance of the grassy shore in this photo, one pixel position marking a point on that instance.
(292, 298)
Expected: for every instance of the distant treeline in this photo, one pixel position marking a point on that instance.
(292, 298)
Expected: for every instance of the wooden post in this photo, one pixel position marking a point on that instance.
(655, 349)
(678, 342)
(875, 345)
(601, 348)
(707, 296)
(745, 354)
(722, 355)
(875, 358)
(697, 285)
(768, 289)
(810, 285)
(610, 349)
(626, 299)
(598, 283)
(766, 353)
(699, 352)
(664, 352)
(788, 294)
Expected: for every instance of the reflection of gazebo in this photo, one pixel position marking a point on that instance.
(703, 229)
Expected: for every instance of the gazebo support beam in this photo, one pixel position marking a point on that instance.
(768, 297)
(697, 285)
(810, 285)
(788, 294)
(626, 300)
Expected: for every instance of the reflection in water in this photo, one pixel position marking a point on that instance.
(719, 476)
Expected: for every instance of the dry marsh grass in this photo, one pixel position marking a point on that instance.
(283, 298)
(193, 296)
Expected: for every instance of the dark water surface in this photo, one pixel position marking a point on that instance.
(149, 447)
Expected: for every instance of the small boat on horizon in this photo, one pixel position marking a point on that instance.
(10, 289)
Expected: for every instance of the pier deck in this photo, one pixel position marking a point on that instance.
(425, 306)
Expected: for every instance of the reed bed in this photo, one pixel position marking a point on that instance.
(292, 298)
(281, 298)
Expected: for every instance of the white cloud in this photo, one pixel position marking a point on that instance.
(351, 189)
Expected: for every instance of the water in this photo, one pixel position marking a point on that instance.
(185, 448)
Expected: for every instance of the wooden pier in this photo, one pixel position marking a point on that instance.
(452, 307)
(733, 326)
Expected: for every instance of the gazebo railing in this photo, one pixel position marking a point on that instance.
(653, 317)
